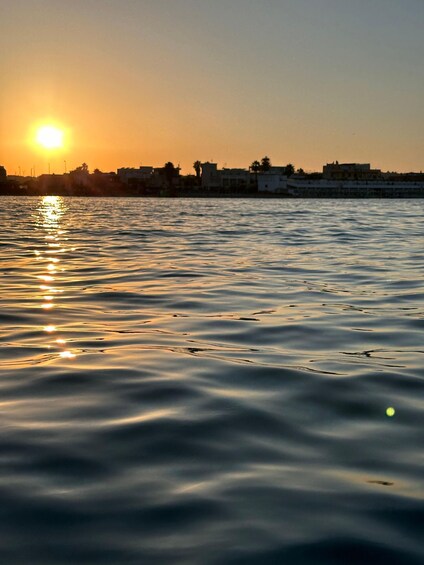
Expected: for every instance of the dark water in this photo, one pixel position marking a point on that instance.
(206, 382)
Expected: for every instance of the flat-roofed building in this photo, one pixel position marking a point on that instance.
(235, 178)
(272, 182)
(350, 171)
(128, 174)
(161, 177)
(211, 177)
(228, 179)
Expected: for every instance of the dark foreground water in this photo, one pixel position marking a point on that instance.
(205, 382)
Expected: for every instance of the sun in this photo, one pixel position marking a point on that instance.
(49, 137)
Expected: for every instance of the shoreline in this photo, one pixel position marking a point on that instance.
(230, 196)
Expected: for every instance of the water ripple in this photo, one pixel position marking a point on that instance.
(207, 382)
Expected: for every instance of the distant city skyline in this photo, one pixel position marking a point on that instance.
(192, 171)
(131, 83)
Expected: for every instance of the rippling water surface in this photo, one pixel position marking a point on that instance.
(206, 381)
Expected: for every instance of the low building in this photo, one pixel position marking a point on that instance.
(161, 179)
(350, 171)
(235, 179)
(277, 170)
(272, 182)
(52, 183)
(225, 179)
(128, 175)
(378, 188)
(211, 178)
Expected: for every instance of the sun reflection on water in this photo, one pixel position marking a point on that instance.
(50, 215)
(67, 355)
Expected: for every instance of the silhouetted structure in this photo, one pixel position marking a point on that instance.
(140, 176)
(265, 164)
(197, 166)
(225, 179)
(350, 171)
(345, 180)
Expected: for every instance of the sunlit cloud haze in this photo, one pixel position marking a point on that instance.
(147, 81)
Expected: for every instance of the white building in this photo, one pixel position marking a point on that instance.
(272, 182)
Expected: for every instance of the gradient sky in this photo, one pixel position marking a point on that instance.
(146, 81)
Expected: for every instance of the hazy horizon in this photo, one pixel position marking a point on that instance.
(140, 83)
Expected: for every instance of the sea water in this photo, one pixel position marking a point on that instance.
(204, 382)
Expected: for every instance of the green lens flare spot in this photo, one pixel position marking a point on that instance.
(390, 412)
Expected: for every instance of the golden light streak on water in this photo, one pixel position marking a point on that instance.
(67, 354)
(50, 212)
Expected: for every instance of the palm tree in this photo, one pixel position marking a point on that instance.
(265, 164)
(197, 166)
(255, 167)
(289, 170)
(169, 170)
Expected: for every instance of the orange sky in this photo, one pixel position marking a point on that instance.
(146, 82)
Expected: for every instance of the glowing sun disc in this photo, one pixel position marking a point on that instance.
(49, 137)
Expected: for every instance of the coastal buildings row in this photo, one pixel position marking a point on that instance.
(213, 179)
(336, 180)
(355, 179)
